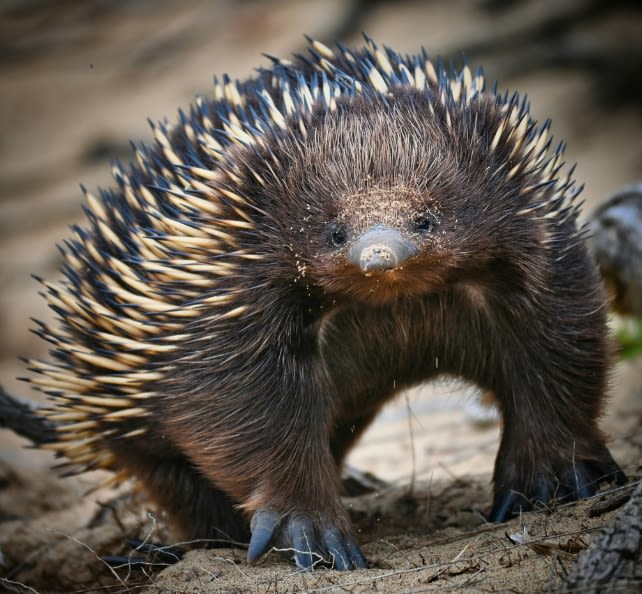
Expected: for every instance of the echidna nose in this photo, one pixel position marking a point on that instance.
(381, 248)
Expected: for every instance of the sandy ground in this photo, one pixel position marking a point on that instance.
(79, 80)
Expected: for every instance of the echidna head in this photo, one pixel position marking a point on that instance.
(375, 201)
(386, 183)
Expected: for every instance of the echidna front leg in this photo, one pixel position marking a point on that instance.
(550, 382)
(299, 531)
(262, 436)
(573, 472)
(308, 519)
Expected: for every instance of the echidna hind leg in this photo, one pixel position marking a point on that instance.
(202, 512)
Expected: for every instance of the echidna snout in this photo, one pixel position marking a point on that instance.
(381, 248)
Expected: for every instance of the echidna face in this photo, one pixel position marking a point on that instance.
(381, 241)
(379, 191)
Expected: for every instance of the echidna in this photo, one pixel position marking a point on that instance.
(291, 254)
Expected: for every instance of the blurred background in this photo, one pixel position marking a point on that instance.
(79, 79)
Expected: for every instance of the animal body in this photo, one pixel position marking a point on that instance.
(292, 253)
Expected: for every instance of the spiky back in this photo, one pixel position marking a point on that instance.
(158, 251)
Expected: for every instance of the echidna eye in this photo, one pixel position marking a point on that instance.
(339, 236)
(422, 223)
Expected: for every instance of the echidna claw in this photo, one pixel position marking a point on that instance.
(345, 554)
(167, 554)
(303, 540)
(156, 555)
(263, 526)
(117, 561)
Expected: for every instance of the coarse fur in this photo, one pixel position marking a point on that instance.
(216, 340)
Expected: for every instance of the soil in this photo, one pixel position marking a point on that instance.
(79, 79)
